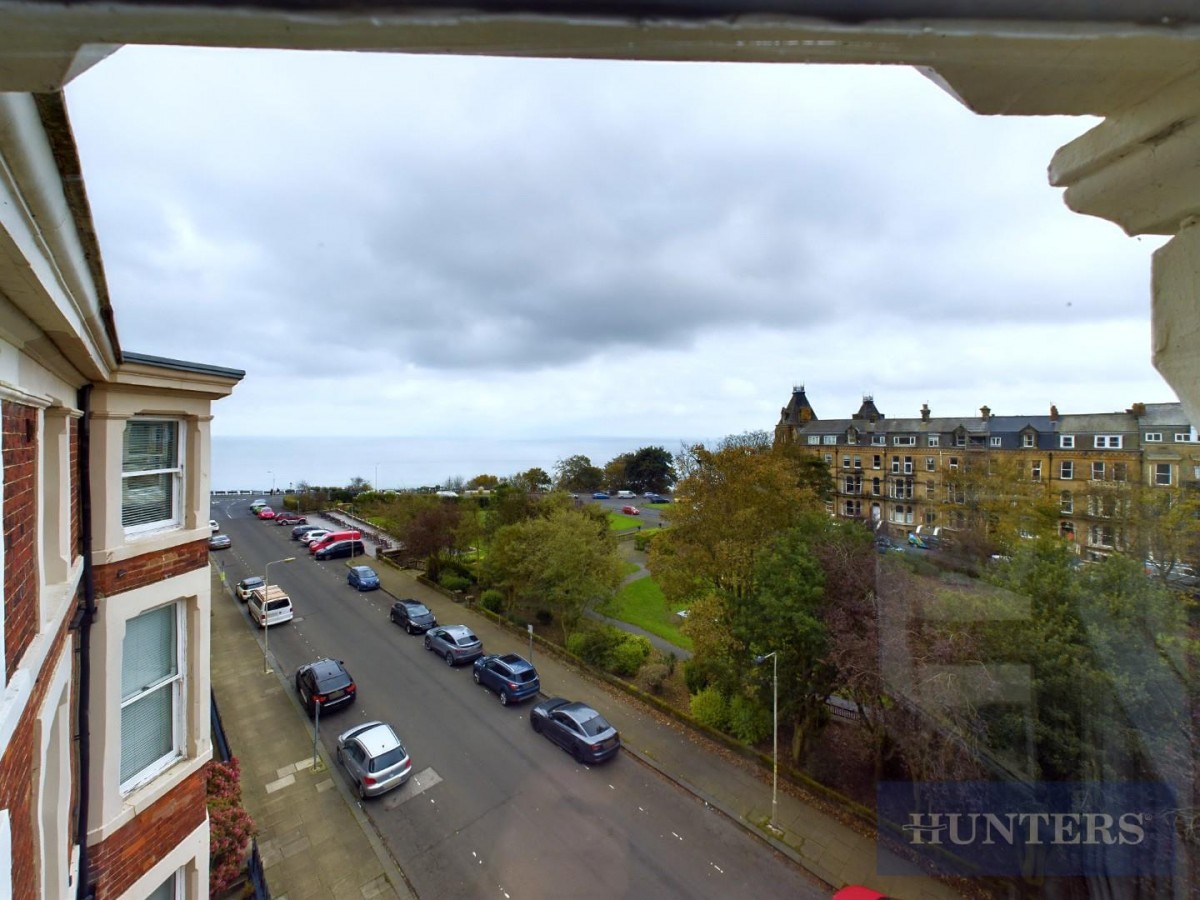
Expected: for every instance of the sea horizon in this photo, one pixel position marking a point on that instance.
(247, 463)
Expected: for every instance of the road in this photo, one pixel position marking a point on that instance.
(492, 808)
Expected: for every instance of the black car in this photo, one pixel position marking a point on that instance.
(413, 615)
(301, 530)
(577, 728)
(341, 550)
(325, 683)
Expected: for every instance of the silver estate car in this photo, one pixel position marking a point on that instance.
(454, 643)
(374, 757)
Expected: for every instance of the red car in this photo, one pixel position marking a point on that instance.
(266, 513)
(631, 510)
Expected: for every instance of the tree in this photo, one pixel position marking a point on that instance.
(535, 479)
(357, 485)
(483, 482)
(615, 471)
(649, 469)
(431, 533)
(564, 563)
(728, 504)
(577, 474)
(1162, 526)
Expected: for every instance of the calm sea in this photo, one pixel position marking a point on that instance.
(257, 464)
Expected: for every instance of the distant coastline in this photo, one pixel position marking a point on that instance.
(258, 463)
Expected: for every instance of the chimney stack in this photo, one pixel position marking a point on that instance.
(924, 412)
(985, 412)
(1053, 413)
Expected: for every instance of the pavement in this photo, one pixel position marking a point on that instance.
(316, 841)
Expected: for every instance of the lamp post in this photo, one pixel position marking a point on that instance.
(272, 474)
(266, 617)
(758, 661)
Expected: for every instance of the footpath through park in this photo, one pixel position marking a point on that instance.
(316, 840)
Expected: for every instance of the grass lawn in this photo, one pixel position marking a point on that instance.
(628, 568)
(622, 522)
(641, 603)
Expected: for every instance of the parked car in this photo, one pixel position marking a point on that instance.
(214, 526)
(341, 550)
(512, 677)
(286, 518)
(625, 495)
(363, 578)
(246, 586)
(266, 513)
(652, 497)
(577, 728)
(300, 530)
(454, 643)
(374, 758)
(220, 542)
(325, 683)
(313, 535)
(631, 510)
(413, 615)
(600, 495)
(256, 505)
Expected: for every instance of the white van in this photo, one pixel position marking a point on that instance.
(625, 495)
(271, 606)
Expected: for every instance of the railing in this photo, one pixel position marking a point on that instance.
(254, 865)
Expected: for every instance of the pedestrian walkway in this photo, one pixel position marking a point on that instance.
(314, 840)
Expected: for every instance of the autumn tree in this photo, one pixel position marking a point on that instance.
(1162, 525)
(483, 482)
(995, 504)
(433, 532)
(564, 563)
(577, 474)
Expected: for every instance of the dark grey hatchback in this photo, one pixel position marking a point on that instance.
(413, 615)
(577, 728)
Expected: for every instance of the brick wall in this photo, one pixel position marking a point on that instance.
(20, 529)
(149, 568)
(132, 851)
(16, 786)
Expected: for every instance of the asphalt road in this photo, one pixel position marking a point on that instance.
(493, 809)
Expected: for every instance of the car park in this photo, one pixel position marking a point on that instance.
(247, 586)
(325, 683)
(577, 728)
(363, 578)
(220, 542)
(454, 643)
(600, 495)
(341, 550)
(300, 530)
(512, 677)
(414, 615)
(631, 510)
(374, 758)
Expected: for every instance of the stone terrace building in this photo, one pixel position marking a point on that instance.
(904, 476)
(104, 617)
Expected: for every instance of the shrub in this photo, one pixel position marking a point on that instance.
(492, 600)
(652, 678)
(594, 645)
(697, 674)
(709, 708)
(452, 582)
(749, 720)
(627, 657)
(230, 826)
(641, 540)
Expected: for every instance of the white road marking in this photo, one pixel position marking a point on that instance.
(676, 835)
(718, 868)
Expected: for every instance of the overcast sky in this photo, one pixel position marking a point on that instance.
(465, 247)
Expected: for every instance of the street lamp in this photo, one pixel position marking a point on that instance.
(272, 474)
(758, 661)
(266, 616)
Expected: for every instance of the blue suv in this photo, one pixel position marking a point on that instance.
(510, 676)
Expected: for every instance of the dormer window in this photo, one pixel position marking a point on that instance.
(1066, 441)
(1028, 440)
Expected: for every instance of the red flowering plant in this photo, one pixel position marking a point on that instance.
(229, 825)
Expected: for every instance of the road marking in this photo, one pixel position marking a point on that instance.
(417, 785)
(718, 868)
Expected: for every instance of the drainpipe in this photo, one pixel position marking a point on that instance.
(84, 616)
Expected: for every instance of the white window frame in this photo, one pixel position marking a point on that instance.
(858, 462)
(176, 684)
(904, 440)
(879, 440)
(1035, 470)
(1159, 470)
(934, 440)
(1153, 437)
(1184, 437)
(994, 441)
(953, 464)
(1066, 441)
(1066, 503)
(845, 462)
(1028, 440)
(1097, 470)
(930, 464)
(175, 519)
(814, 439)
(1066, 470)
(829, 459)
(877, 461)
(1107, 441)
(908, 465)
(829, 439)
